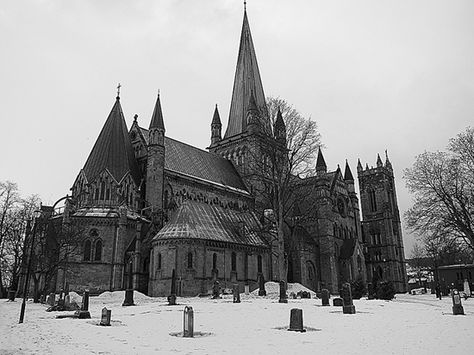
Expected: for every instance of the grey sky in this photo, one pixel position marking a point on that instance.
(374, 74)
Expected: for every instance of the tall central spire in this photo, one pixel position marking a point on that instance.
(247, 81)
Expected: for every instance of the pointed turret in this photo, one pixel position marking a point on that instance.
(321, 166)
(348, 174)
(279, 129)
(388, 164)
(157, 126)
(379, 161)
(359, 166)
(247, 81)
(216, 127)
(156, 162)
(113, 150)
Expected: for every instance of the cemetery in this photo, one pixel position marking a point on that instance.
(239, 322)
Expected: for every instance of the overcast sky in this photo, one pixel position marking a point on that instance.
(374, 75)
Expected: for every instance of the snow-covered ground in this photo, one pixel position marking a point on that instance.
(411, 324)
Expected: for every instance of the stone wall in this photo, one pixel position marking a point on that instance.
(199, 278)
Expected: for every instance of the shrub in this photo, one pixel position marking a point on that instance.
(385, 290)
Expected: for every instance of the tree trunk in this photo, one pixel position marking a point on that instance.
(282, 260)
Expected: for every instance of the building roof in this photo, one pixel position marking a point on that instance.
(157, 117)
(320, 163)
(113, 150)
(246, 81)
(194, 162)
(197, 220)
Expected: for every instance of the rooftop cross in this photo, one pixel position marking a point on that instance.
(118, 89)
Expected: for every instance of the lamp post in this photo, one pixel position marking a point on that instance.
(27, 278)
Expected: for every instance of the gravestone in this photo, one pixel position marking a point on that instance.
(105, 318)
(83, 313)
(51, 300)
(457, 304)
(467, 288)
(11, 295)
(188, 322)
(292, 295)
(371, 291)
(261, 286)
(283, 296)
(236, 293)
(348, 306)
(337, 302)
(128, 301)
(67, 301)
(216, 290)
(172, 296)
(325, 297)
(247, 289)
(296, 320)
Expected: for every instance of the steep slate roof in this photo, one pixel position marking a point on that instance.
(196, 220)
(216, 119)
(247, 80)
(188, 160)
(113, 150)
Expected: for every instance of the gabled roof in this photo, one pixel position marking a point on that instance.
(197, 220)
(246, 81)
(194, 162)
(113, 150)
(347, 173)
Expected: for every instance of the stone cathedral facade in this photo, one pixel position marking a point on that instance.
(149, 204)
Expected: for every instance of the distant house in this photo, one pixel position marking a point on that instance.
(456, 274)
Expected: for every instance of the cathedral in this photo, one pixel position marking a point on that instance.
(150, 206)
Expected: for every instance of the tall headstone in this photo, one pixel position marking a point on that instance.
(296, 320)
(347, 306)
(325, 297)
(11, 295)
(247, 289)
(467, 288)
(172, 296)
(128, 301)
(283, 296)
(371, 291)
(216, 290)
(457, 304)
(83, 313)
(236, 293)
(261, 286)
(188, 322)
(105, 317)
(51, 299)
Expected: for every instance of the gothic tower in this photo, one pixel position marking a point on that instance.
(248, 128)
(156, 161)
(382, 232)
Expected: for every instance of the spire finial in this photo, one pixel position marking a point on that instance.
(245, 5)
(158, 92)
(118, 90)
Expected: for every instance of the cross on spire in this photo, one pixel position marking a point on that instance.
(118, 89)
(245, 5)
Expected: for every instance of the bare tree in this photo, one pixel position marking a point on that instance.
(9, 198)
(442, 184)
(289, 154)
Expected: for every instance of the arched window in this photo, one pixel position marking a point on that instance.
(190, 260)
(87, 250)
(214, 261)
(259, 263)
(159, 261)
(234, 261)
(98, 250)
(373, 201)
(102, 189)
